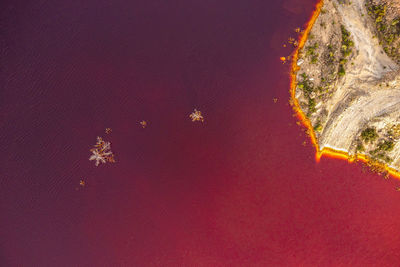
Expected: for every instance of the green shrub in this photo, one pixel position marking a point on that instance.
(369, 134)
(341, 71)
(318, 127)
(311, 106)
(314, 59)
(310, 50)
(386, 145)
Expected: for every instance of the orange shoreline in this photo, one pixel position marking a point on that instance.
(329, 152)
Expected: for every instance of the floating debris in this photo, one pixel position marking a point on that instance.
(82, 183)
(293, 42)
(143, 123)
(196, 116)
(297, 29)
(283, 59)
(102, 152)
(108, 130)
(275, 99)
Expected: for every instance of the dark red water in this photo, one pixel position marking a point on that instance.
(238, 190)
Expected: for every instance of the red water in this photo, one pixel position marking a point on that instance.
(238, 190)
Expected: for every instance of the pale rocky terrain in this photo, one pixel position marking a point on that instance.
(348, 86)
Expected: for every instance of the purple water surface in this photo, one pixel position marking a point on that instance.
(238, 190)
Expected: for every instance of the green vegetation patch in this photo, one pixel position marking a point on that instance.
(345, 49)
(369, 135)
(308, 88)
(378, 11)
(347, 43)
(318, 127)
(388, 31)
(386, 145)
(380, 151)
(311, 51)
(341, 70)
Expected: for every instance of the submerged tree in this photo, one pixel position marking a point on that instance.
(196, 116)
(101, 152)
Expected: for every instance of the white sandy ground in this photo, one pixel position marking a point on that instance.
(359, 100)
